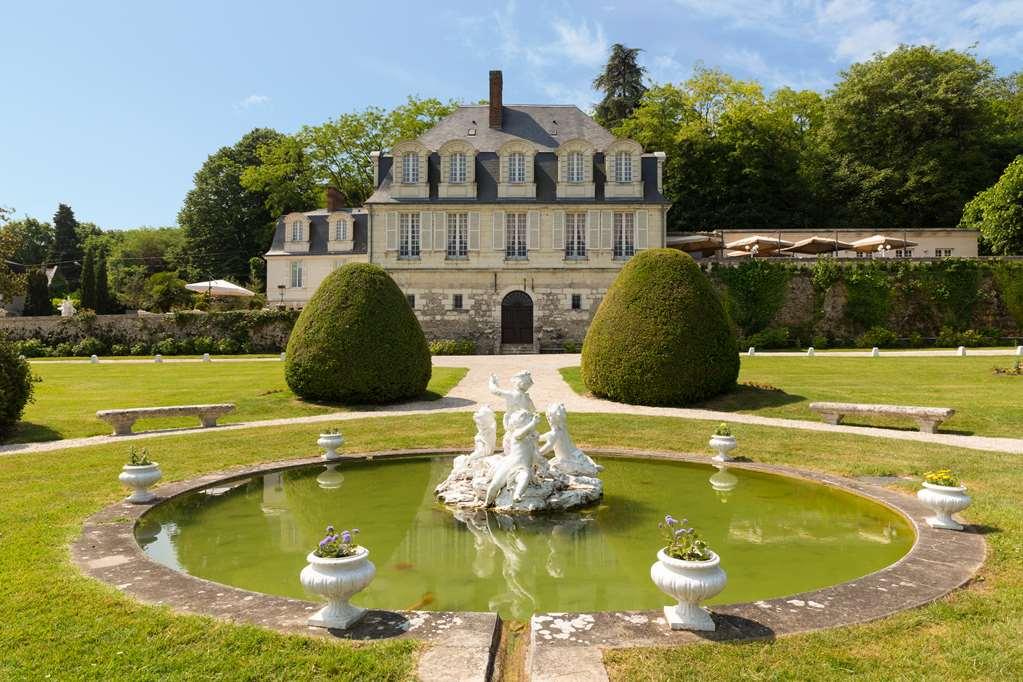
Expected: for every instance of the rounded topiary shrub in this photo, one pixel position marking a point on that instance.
(661, 336)
(15, 387)
(358, 341)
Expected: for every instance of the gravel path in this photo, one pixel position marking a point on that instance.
(548, 387)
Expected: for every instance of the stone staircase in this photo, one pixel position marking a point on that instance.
(517, 349)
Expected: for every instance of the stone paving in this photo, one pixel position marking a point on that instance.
(548, 387)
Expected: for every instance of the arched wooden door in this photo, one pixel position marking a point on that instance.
(517, 318)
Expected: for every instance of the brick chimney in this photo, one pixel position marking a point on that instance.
(496, 100)
(335, 199)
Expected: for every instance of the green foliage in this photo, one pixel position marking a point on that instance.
(661, 335)
(139, 458)
(89, 346)
(682, 541)
(621, 81)
(945, 477)
(768, 339)
(101, 288)
(66, 252)
(954, 285)
(290, 170)
(31, 348)
(755, 292)
(453, 347)
(877, 337)
(826, 272)
(336, 545)
(357, 341)
(225, 223)
(11, 282)
(1009, 277)
(36, 239)
(15, 387)
(88, 278)
(37, 294)
(998, 213)
(166, 291)
(867, 294)
(723, 429)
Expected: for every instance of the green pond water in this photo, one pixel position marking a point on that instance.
(776, 536)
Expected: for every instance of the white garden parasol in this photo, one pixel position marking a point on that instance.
(219, 287)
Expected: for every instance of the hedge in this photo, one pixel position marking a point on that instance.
(15, 387)
(661, 336)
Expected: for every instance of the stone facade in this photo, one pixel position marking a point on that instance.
(503, 225)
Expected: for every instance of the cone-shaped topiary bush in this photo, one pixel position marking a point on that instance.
(15, 387)
(357, 341)
(661, 336)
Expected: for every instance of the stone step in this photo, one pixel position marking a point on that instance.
(517, 349)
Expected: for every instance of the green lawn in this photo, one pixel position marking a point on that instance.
(59, 623)
(67, 398)
(985, 403)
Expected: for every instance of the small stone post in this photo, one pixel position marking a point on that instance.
(875, 352)
(810, 352)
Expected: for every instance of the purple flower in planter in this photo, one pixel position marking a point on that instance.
(346, 537)
(670, 520)
(330, 530)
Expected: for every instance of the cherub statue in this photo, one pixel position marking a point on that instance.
(517, 398)
(521, 456)
(568, 459)
(67, 308)
(485, 440)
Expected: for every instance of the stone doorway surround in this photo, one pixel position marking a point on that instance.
(563, 646)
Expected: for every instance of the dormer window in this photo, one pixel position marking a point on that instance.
(575, 167)
(296, 231)
(341, 230)
(623, 166)
(458, 165)
(516, 167)
(410, 168)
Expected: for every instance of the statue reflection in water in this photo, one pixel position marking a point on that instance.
(513, 539)
(724, 482)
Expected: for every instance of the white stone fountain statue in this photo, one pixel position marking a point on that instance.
(520, 479)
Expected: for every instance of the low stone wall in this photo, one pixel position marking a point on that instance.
(253, 331)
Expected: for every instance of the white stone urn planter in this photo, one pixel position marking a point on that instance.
(139, 478)
(722, 445)
(944, 501)
(331, 442)
(689, 582)
(338, 580)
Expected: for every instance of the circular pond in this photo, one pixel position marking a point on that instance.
(776, 535)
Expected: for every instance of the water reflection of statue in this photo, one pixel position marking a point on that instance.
(517, 600)
(723, 482)
(521, 460)
(568, 459)
(331, 479)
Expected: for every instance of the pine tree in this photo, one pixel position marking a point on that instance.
(622, 84)
(67, 247)
(37, 295)
(88, 278)
(104, 304)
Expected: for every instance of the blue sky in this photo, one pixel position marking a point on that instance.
(111, 107)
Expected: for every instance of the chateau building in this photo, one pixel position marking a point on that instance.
(503, 224)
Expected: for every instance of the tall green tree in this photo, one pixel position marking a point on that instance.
(735, 156)
(621, 81)
(12, 281)
(104, 302)
(907, 138)
(224, 223)
(998, 213)
(67, 246)
(87, 278)
(36, 240)
(293, 170)
(37, 294)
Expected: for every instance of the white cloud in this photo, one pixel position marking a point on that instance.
(581, 43)
(252, 101)
(865, 40)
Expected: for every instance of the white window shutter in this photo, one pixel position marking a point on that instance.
(426, 231)
(474, 231)
(533, 230)
(606, 229)
(529, 166)
(593, 230)
(440, 231)
(558, 231)
(392, 231)
(498, 230)
(587, 167)
(563, 167)
(445, 168)
(641, 230)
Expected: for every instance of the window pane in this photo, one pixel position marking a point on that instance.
(408, 235)
(410, 162)
(458, 235)
(575, 235)
(516, 167)
(458, 165)
(515, 235)
(624, 235)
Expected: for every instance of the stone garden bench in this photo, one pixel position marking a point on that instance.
(928, 418)
(122, 420)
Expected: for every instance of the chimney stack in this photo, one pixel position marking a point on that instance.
(335, 199)
(496, 101)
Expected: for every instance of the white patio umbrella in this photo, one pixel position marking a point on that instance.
(762, 244)
(880, 243)
(815, 245)
(219, 287)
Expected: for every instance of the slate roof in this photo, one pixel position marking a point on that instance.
(319, 234)
(545, 175)
(545, 126)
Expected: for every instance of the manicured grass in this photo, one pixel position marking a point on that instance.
(60, 623)
(67, 398)
(985, 403)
